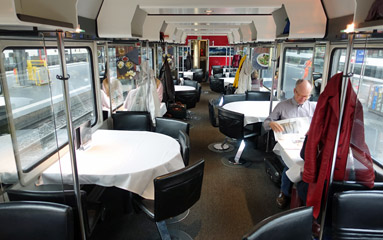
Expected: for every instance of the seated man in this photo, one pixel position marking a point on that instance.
(297, 106)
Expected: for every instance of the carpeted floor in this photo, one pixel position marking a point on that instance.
(233, 199)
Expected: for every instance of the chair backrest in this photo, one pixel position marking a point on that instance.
(196, 70)
(231, 123)
(176, 192)
(199, 91)
(291, 224)
(217, 69)
(217, 85)
(189, 98)
(234, 98)
(213, 103)
(357, 215)
(257, 96)
(132, 120)
(184, 141)
(198, 76)
(36, 221)
(171, 127)
(66, 197)
(218, 75)
(191, 83)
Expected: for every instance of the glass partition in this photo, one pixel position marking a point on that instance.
(159, 59)
(124, 63)
(262, 76)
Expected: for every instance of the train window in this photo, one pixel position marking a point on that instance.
(367, 81)
(36, 98)
(297, 65)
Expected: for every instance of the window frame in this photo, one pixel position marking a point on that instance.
(26, 176)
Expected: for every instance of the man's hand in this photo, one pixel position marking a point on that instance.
(276, 127)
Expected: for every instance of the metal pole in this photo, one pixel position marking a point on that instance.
(149, 83)
(65, 78)
(107, 72)
(155, 52)
(311, 79)
(342, 103)
(274, 60)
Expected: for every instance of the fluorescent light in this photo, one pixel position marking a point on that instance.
(349, 28)
(78, 29)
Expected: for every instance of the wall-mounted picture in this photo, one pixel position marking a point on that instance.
(217, 51)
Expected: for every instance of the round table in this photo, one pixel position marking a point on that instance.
(227, 80)
(128, 160)
(179, 88)
(254, 111)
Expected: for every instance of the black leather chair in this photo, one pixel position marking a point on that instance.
(36, 221)
(171, 127)
(257, 96)
(217, 85)
(213, 104)
(174, 193)
(234, 98)
(198, 76)
(92, 211)
(213, 117)
(196, 85)
(132, 120)
(357, 215)
(291, 224)
(197, 70)
(231, 124)
(218, 75)
(189, 98)
(184, 141)
(217, 69)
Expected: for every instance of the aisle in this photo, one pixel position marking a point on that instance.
(233, 200)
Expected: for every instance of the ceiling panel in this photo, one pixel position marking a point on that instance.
(211, 11)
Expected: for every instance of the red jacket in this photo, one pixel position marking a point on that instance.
(321, 141)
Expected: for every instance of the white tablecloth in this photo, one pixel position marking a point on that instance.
(179, 88)
(290, 154)
(163, 109)
(128, 160)
(227, 80)
(254, 111)
(188, 74)
(8, 171)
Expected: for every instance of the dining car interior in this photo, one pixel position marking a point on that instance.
(175, 119)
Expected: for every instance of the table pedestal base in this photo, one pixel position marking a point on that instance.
(229, 162)
(240, 161)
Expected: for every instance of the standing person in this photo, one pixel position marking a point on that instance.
(297, 106)
(308, 66)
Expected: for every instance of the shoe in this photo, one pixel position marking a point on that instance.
(282, 200)
(315, 229)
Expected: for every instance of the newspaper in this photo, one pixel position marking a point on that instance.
(294, 132)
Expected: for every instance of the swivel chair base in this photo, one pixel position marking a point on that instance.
(221, 147)
(178, 218)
